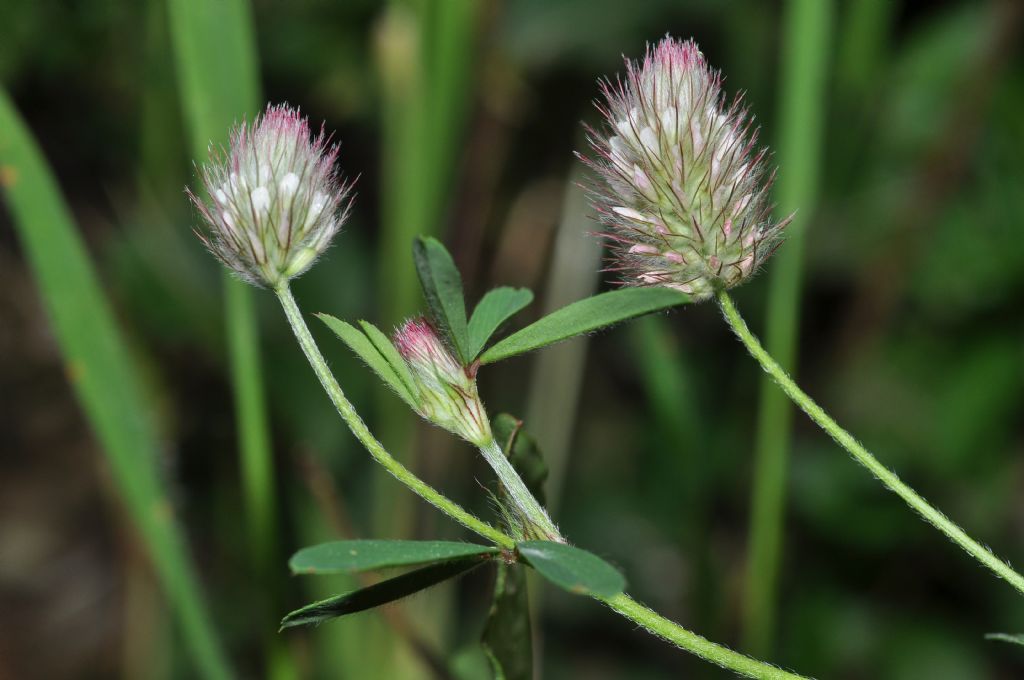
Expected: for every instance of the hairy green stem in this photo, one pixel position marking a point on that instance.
(860, 454)
(366, 438)
(525, 504)
(622, 603)
(656, 624)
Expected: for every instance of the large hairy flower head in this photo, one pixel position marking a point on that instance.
(446, 390)
(274, 198)
(681, 190)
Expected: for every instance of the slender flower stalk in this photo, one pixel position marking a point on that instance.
(861, 454)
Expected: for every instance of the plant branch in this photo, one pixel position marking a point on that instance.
(658, 625)
(366, 438)
(622, 603)
(860, 454)
(524, 502)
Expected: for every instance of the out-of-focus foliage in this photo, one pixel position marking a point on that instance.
(912, 335)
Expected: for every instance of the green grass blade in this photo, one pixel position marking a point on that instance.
(804, 60)
(98, 365)
(218, 78)
(425, 54)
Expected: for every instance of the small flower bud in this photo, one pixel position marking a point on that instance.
(274, 198)
(682, 191)
(447, 394)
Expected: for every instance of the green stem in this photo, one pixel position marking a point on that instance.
(366, 438)
(622, 603)
(804, 62)
(656, 624)
(860, 454)
(520, 496)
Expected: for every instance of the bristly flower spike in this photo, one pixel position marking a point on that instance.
(681, 190)
(274, 199)
(446, 391)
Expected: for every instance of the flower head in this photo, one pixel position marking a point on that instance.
(274, 197)
(446, 391)
(682, 190)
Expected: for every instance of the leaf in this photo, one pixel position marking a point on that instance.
(573, 569)
(585, 316)
(367, 351)
(380, 593)
(522, 451)
(388, 351)
(350, 557)
(494, 309)
(103, 372)
(1006, 637)
(442, 286)
(506, 639)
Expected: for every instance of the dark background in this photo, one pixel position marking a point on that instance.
(911, 334)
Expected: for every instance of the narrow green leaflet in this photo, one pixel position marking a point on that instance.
(584, 316)
(103, 375)
(573, 569)
(368, 352)
(1006, 637)
(506, 639)
(388, 351)
(442, 286)
(380, 593)
(522, 451)
(349, 557)
(494, 309)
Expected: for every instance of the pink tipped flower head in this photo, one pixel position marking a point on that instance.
(275, 199)
(446, 391)
(683, 192)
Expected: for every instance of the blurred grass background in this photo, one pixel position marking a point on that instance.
(461, 118)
